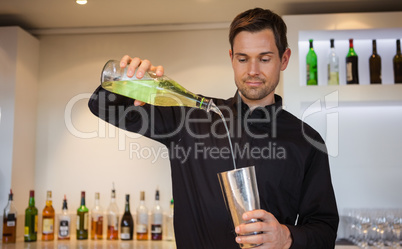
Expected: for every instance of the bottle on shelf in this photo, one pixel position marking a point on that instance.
(127, 223)
(97, 220)
(10, 221)
(48, 219)
(64, 222)
(375, 65)
(142, 219)
(397, 61)
(157, 219)
(311, 65)
(31, 219)
(113, 218)
(169, 235)
(82, 219)
(333, 66)
(151, 89)
(352, 66)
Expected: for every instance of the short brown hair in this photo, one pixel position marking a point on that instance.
(255, 20)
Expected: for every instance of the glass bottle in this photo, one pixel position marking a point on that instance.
(151, 89)
(142, 219)
(311, 65)
(113, 218)
(10, 221)
(82, 219)
(64, 222)
(333, 66)
(157, 219)
(375, 65)
(31, 219)
(127, 223)
(48, 219)
(169, 222)
(397, 61)
(352, 67)
(97, 220)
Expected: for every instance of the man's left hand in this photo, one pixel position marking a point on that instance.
(274, 235)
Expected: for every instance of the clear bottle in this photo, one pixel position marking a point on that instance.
(311, 65)
(157, 219)
(352, 65)
(375, 65)
(142, 219)
(48, 216)
(82, 219)
(127, 222)
(97, 220)
(151, 89)
(169, 235)
(333, 66)
(113, 218)
(64, 222)
(10, 221)
(31, 219)
(397, 62)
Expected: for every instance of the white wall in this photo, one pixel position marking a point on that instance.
(19, 56)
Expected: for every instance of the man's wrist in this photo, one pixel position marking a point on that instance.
(288, 237)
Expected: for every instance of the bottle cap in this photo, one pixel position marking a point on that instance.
(32, 193)
(127, 197)
(82, 194)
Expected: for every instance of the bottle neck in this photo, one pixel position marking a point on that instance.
(32, 201)
(127, 207)
(64, 206)
(374, 47)
(398, 47)
(311, 44)
(82, 201)
(48, 203)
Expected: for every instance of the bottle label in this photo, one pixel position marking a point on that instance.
(156, 228)
(125, 233)
(141, 228)
(11, 223)
(78, 222)
(64, 228)
(308, 72)
(26, 231)
(36, 224)
(47, 227)
(349, 74)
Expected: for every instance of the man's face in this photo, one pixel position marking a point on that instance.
(257, 65)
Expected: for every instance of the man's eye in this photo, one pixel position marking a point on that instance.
(242, 60)
(265, 59)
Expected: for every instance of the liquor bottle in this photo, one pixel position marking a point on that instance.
(10, 221)
(333, 66)
(311, 65)
(31, 219)
(127, 223)
(113, 218)
(82, 219)
(352, 67)
(97, 220)
(151, 89)
(48, 219)
(397, 61)
(157, 219)
(142, 219)
(169, 222)
(64, 222)
(375, 66)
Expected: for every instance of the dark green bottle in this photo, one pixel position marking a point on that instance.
(82, 219)
(352, 66)
(311, 65)
(31, 219)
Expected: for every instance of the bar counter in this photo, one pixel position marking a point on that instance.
(104, 244)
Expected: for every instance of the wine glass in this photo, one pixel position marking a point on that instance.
(364, 223)
(395, 221)
(381, 224)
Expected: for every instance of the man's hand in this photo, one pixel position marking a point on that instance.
(141, 66)
(273, 236)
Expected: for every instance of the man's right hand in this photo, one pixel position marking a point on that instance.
(141, 66)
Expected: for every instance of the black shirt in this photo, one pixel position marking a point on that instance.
(293, 176)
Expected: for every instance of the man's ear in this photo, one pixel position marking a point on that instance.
(231, 54)
(285, 59)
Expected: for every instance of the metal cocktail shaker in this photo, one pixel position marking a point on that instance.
(239, 189)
